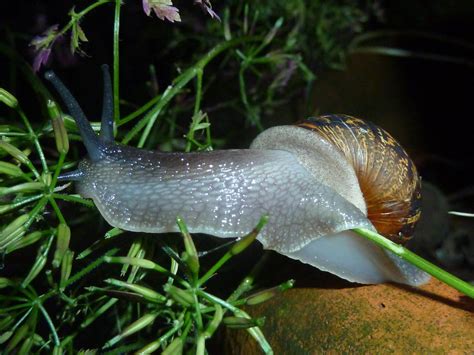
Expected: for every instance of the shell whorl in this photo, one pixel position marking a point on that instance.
(387, 176)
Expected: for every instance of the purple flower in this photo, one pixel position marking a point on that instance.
(207, 7)
(42, 45)
(163, 9)
(46, 38)
(41, 58)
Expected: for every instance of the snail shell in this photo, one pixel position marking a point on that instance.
(369, 168)
(387, 176)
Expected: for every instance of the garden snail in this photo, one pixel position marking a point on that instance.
(316, 181)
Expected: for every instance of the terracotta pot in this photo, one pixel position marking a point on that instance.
(369, 319)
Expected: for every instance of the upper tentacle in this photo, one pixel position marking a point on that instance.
(107, 122)
(91, 141)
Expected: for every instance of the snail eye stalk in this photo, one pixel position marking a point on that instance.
(91, 141)
(107, 122)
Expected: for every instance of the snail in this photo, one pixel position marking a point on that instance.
(316, 181)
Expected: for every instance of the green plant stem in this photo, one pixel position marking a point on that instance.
(21, 320)
(237, 248)
(34, 136)
(197, 315)
(201, 345)
(14, 308)
(79, 15)
(197, 102)
(90, 267)
(214, 268)
(197, 105)
(255, 332)
(247, 283)
(243, 94)
(50, 324)
(418, 261)
(90, 320)
(57, 170)
(25, 201)
(34, 212)
(116, 60)
(72, 198)
(187, 324)
(149, 120)
(56, 209)
(14, 134)
(139, 111)
(153, 346)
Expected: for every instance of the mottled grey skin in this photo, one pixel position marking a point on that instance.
(223, 193)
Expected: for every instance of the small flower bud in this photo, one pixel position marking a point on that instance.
(243, 243)
(15, 152)
(25, 241)
(10, 169)
(175, 347)
(63, 236)
(143, 263)
(6, 322)
(139, 324)
(113, 233)
(13, 231)
(26, 346)
(25, 187)
(243, 323)
(5, 336)
(6, 208)
(146, 292)
(133, 252)
(270, 35)
(191, 255)
(265, 295)
(150, 348)
(18, 336)
(60, 133)
(14, 225)
(35, 270)
(66, 267)
(8, 99)
(4, 282)
(53, 110)
(181, 296)
(39, 263)
(46, 178)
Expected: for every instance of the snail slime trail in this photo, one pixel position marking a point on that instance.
(316, 180)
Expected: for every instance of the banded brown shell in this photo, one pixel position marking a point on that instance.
(387, 176)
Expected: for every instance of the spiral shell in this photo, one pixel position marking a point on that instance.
(387, 176)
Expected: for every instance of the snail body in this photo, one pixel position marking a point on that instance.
(301, 179)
